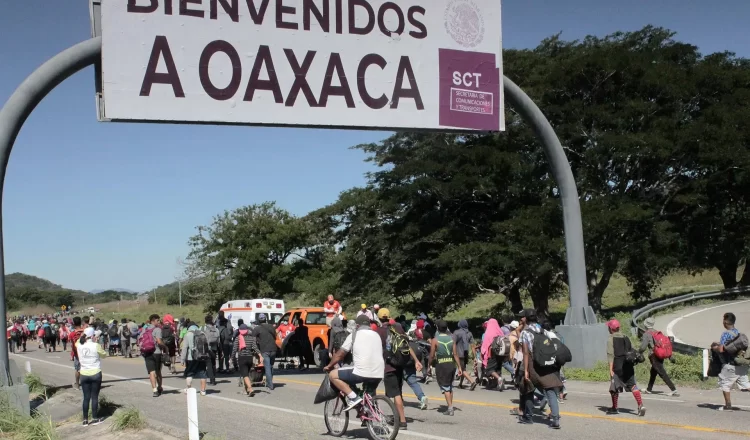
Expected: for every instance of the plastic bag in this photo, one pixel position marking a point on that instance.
(326, 391)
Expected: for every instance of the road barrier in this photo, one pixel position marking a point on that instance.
(641, 314)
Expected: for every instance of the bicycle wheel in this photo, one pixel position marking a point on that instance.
(336, 419)
(384, 421)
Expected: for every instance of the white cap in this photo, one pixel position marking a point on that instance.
(514, 324)
(89, 332)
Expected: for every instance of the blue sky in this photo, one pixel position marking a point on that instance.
(97, 205)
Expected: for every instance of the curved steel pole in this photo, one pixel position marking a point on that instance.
(15, 112)
(579, 312)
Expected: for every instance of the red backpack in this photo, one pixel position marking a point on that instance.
(147, 343)
(662, 345)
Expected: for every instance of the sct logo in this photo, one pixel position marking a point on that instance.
(467, 79)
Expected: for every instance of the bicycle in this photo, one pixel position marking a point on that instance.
(370, 412)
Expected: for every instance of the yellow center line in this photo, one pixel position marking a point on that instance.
(570, 414)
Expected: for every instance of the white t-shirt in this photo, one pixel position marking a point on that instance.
(367, 353)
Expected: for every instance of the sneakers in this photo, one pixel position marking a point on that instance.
(403, 426)
(501, 384)
(351, 403)
(203, 393)
(648, 392)
(613, 411)
(96, 421)
(674, 394)
(641, 410)
(423, 403)
(85, 423)
(555, 424)
(77, 386)
(449, 412)
(473, 385)
(726, 408)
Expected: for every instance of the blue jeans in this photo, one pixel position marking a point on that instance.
(508, 367)
(410, 374)
(268, 361)
(549, 397)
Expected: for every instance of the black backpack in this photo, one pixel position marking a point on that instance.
(112, 332)
(624, 350)
(338, 340)
(397, 348)
(225, 335)
(544, 351)
(167, 335)
(125, 331)
(48, 334)
(200, 346)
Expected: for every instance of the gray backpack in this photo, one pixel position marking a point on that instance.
(212, 335)
(736, 345)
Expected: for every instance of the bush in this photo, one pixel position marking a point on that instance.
(129, 418)
(36, 386)
(18, 426)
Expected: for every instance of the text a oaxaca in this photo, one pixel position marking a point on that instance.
(423, 64)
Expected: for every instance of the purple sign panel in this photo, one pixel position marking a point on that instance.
(469, 90)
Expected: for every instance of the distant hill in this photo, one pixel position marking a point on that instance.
(21, 280)
(116, 289)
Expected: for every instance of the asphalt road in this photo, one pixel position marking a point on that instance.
(288, 412)
(701, 325)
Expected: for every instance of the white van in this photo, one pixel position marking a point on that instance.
(249, 309)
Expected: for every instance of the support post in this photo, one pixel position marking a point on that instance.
(586, 338)
(705, 364)
(194, 432)
(18, 108)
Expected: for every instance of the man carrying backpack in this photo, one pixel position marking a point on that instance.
(213, 337)
(396, 354)
(195, 356)
(733, 370)
(113, 333)
(124, 334)
(152, 347)
(265, 336)
(622, 360)
(539, 369)
(226, 333)
(659, 348)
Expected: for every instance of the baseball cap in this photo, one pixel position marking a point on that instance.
(384, 313)
(262, 317)
(613, 324)
(376, 307)
(89, 332)
(526, 313)
(362, 320)
(514, 324)
(363, 305)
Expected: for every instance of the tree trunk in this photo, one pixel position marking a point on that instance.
(514, 296)
(539, 291)
(745, 280)
(597, 288)
(728, 274)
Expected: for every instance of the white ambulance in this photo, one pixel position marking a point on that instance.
(249, 309)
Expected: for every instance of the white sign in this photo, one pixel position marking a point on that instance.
(424, 64)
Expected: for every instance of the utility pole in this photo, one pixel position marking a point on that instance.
(179, 284)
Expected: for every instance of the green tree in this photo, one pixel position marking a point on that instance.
(247, 252)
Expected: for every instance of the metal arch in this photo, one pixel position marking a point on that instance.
(45, 78)
(579, 312)
(18, 108)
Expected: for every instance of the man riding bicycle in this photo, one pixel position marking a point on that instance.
(368, 366)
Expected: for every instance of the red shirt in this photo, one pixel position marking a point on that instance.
(336, 306)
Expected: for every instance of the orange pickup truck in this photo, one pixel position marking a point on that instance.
(314, 318)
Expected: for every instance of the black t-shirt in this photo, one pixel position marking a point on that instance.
(265, 335)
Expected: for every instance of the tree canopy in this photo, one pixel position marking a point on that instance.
(655, 134)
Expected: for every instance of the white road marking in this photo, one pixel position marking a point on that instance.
(670, 326)
(643, 396)
(228, 399)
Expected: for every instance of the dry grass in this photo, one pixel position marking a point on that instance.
(617, 294)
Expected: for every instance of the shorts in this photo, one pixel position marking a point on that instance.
(196, 369)
(153, 362)
(76, 364)
(172, 351)
(394, 382)
(733, 374)
(444, 373)
(348, 376)
(618, 385)
(245, 364)
(493, 366)
(462, 362)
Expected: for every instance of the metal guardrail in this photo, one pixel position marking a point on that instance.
(644, 312)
